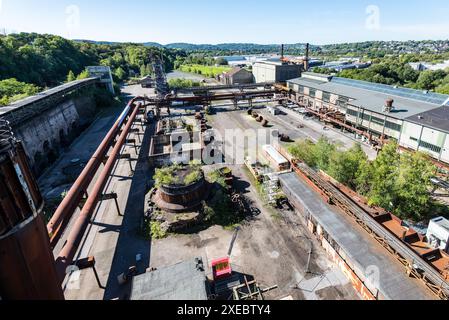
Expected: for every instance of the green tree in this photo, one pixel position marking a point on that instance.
(71, 76)
(345, 166)
(120, 73)
(385, 172)
(412, 186)
(221, 62)
(425, 80)
(12, 90)
(83, 75)
(304, 151)
(323, 151)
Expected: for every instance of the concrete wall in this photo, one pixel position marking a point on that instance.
(242, 77)
(270, 72)
(46, 135)
(264, 72)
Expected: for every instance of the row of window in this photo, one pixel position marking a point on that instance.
(379, 121)
(428, 146)
(353, 113)
(393, 126)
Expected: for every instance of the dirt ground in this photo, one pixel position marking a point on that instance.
(273, 247)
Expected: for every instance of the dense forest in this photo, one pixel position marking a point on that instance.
(30, 62)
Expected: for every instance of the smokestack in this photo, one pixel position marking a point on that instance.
(306, 60)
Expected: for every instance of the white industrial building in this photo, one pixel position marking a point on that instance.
(422, 66)
(275, 70)
(417, 120)
(438, 233)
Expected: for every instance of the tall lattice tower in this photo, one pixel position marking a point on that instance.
(160, 77)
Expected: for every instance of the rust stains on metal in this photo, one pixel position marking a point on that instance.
(66, 256)
(27, 270)
(423, 265)
(69, 205)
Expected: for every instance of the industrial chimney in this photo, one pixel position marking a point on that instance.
(307, 58)
(282, 53)
(27, 268)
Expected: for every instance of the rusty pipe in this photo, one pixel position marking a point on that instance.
(68, 206)
(67, 254)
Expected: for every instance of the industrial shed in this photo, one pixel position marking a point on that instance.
(183, 281)
(237, 76)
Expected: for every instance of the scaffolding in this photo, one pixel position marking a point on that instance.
(250, 291)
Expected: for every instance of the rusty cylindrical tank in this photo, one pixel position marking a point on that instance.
(27, 269)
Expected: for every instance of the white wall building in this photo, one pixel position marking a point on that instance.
(417, 120)
(438, 233)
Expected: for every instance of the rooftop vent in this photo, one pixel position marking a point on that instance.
(389, 105)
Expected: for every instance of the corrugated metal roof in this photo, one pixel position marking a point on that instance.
(371, 99)
(436, 118)
(183, 281)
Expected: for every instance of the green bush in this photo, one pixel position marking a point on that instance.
(156, 230)
(208, 71)
(192, 177)
(12, 90)
(183, 83)
(399, 183)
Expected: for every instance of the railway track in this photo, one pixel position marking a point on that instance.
(416, 266)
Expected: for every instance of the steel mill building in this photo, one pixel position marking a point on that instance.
(418, 120)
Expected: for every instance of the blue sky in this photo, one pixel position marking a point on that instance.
(213, 21)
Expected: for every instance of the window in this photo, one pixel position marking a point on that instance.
(378, 121)
(430, 146)
(301, 89)
(342, 102)
(312, 92)
(326, 97)
(393, 126)
(414, 139)
(366, 117)
(353, 113)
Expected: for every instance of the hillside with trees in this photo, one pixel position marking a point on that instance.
(31, 62)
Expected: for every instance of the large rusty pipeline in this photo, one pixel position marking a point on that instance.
(67, 254)
(69, 205)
